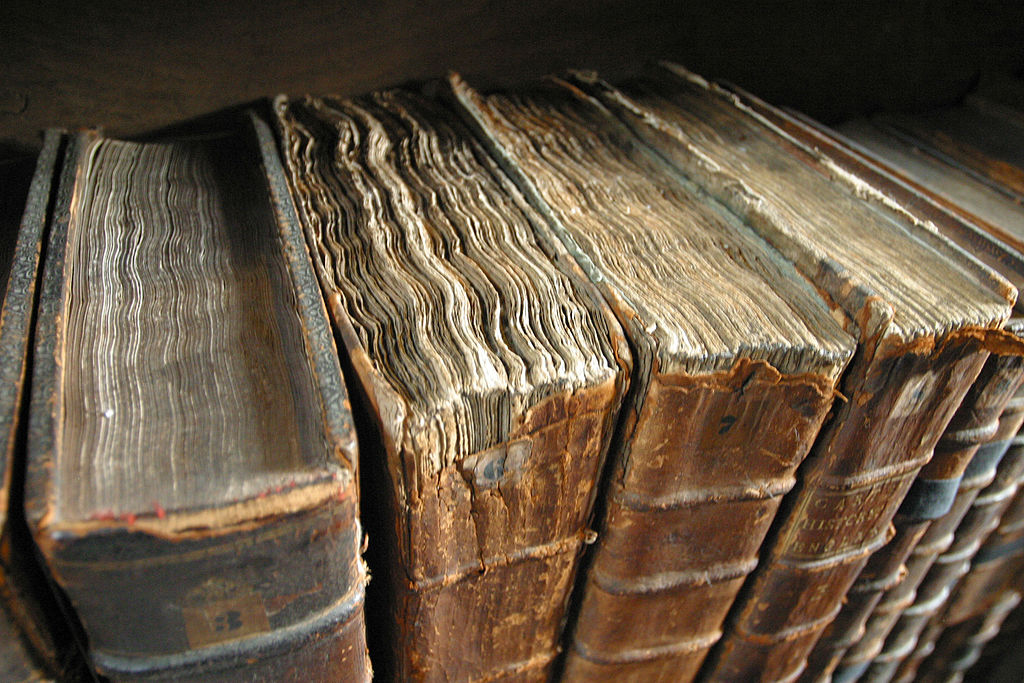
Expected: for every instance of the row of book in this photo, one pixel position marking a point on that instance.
(645, 382)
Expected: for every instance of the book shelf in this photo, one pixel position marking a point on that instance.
(134, 73)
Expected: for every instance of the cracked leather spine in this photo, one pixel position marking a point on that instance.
(479, 556)
(703, 455)
(886, 585)
(656, 594)
(905, 609)
(969, 578)
(964, 461)
(901, 394)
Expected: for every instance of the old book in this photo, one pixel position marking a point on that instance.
(982, 599)
(192, 474)
(737, 358)
(923, 340)
(490, 375)
(961, 644)
(979, 202)
(969, 451)
(965, 580)
(918, 592)
(45, 640)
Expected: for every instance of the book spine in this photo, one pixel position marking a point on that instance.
(913, 636)
(929, 514)
(462, 538)
(24, 588)
(459, 618)
(876, 647)
(276, 594)
(960, 645)
(209, 607)
(709, 456)
(852, 628)
(863, 467)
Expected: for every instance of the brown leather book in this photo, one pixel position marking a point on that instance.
(978, 436)
(737, 360)
(489, 372)
(978, 200)
(191, 458)
(977, 606)
(895, 621)
(45, 640)
(915, 365)
(960, 645)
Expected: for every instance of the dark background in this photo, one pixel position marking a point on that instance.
(133, 66)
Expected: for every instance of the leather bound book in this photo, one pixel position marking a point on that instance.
(923, 340)
(979, 603)
(737, 358)
(960, 646)
(490, 372)
(885, 587)
(45, 641)
(963, 463)
(984, 207)
(893, 627)
(949, 594)
(191, 459)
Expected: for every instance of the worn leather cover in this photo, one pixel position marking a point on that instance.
(913, 637)
(479, 557)
(269, 587)
(842, 510)
(979, 434)
(901, 395)
(23, 587)
(453, 613)
(706, 457)
(941, 480)
(969, 231)
(658, 590)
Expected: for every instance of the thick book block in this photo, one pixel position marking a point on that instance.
(192, 461)
(737, 361)
(490, 372)
(978, 436)
(926, 316)
(970, 207)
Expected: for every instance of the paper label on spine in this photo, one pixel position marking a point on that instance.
(218, 611)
